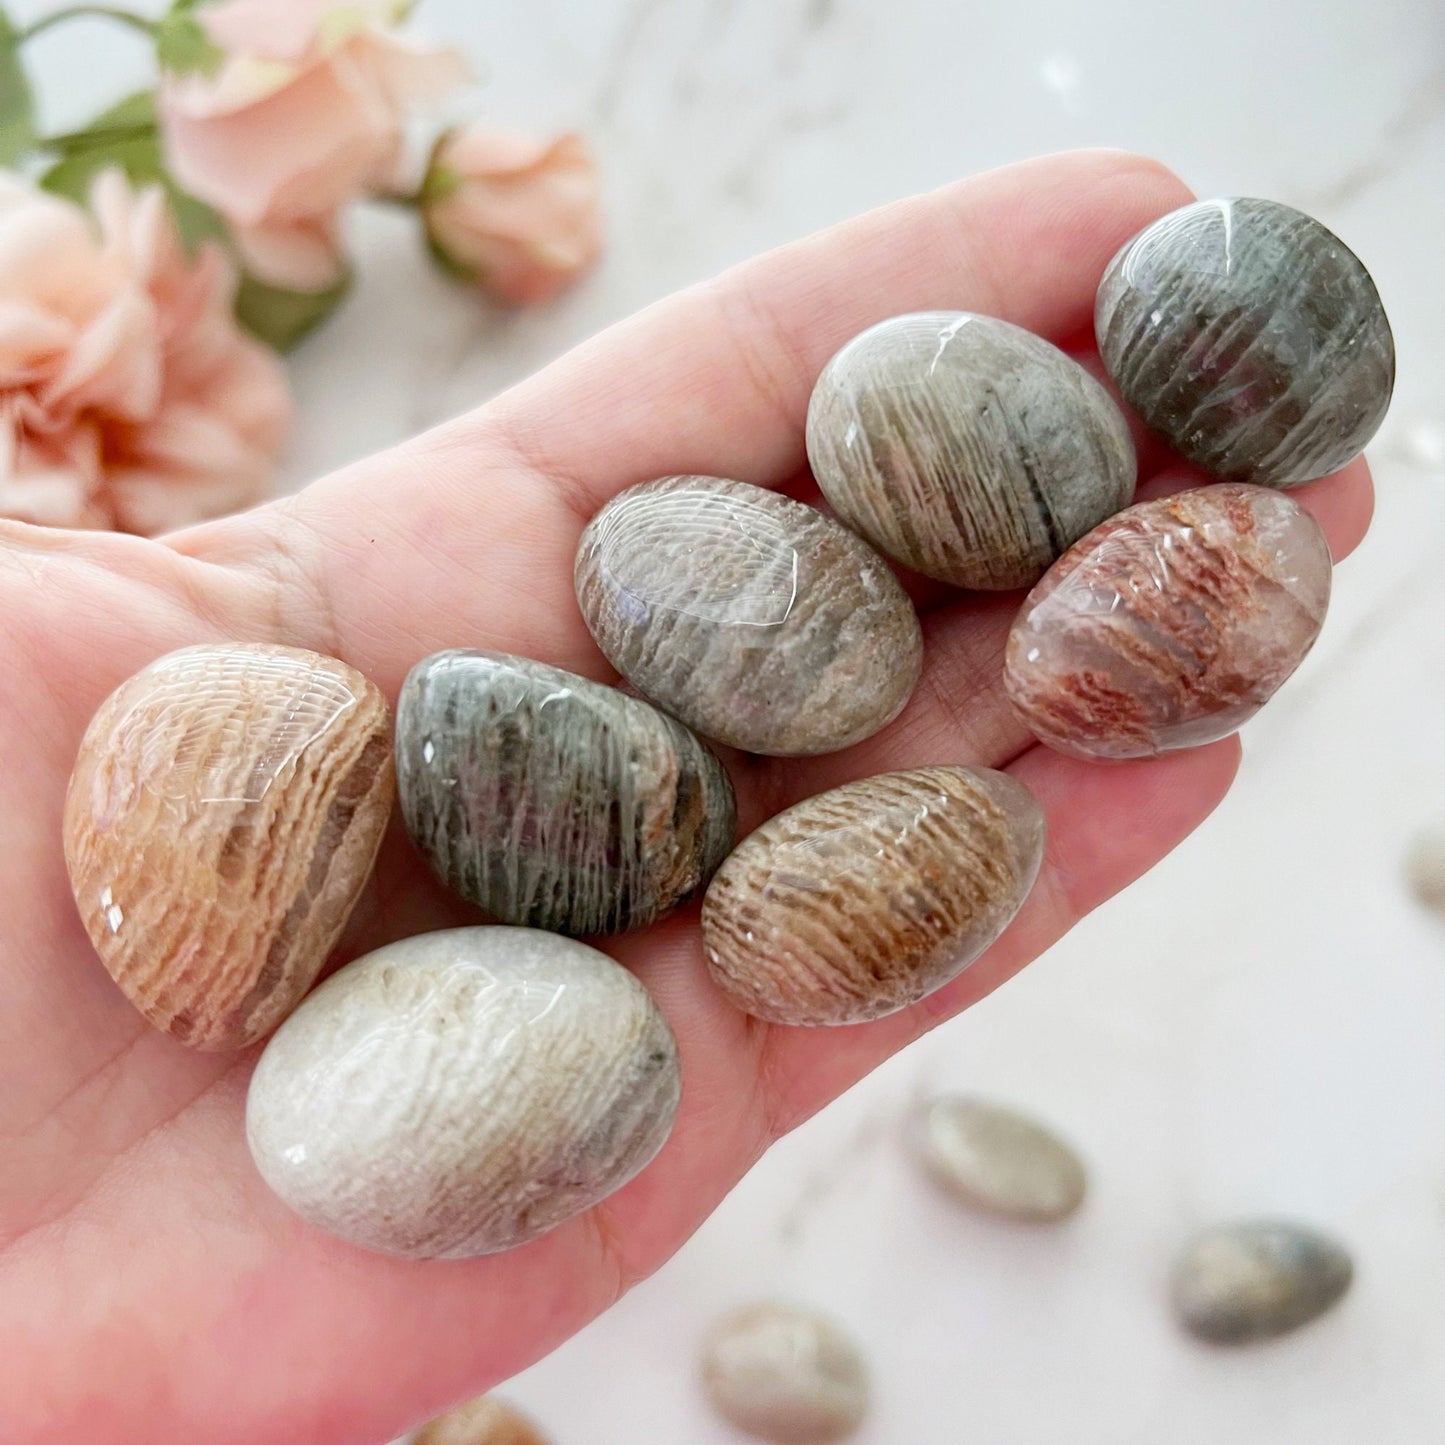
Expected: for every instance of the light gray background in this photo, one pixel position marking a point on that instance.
(1259, 1025)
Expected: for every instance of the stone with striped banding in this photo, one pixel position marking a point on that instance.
(463, 1092)
(860, 901)
(225, 810)
(553, 801)
(1171, 624)
(1249, 337)
(757, 621)
(966, 448)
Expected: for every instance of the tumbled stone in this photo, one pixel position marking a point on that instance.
(1425, 870)
(224, 813)
(998, 1160)
(463, 1092)
(1256, 1279)
(786, 1375)
(756, 620)
(553, 801)
(967, 448)
(1250, 338)
(483, 1421)
(1169, 625)
(860, 901)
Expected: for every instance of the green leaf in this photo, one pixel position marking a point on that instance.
(182, 46)
(125, 135)
(17, 104)
(282, 318)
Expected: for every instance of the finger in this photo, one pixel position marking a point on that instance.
(467, 536)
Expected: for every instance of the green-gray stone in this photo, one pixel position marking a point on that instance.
(553, 801)
(1251, 338)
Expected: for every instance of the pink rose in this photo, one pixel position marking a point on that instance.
(520, 215)
(128, 397)
(305, 112)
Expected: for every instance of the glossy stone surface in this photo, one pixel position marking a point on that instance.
(553, 801)
(463, 1092)
(967, 448)
(756, 620)
(1171, 624)
(483, 1421)
(998, 1160)
(224, 813)
(860, 901)
(1252, 1280)
(786, 1375)
(1251, 338)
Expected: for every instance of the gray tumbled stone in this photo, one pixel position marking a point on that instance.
(1251, 338)
(755, 619)
(967, 448)
(1255, 1279)
(553, 801)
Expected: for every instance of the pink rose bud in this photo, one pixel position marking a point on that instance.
(516, 214)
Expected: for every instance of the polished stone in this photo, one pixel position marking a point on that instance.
(463, 1092)
(998, 1160)
(967, 448)
(483, 1421)
(860, 901)
(1251, 338)
(1256, 1279)
(1425, 869)
(224, 814)
(553, 801)
(1171, 624)
(786, 1375)
(757, 621)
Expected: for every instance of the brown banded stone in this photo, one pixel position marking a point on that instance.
(1255, 1279)
(1251, 338)
(1171, 624)
(786, 1375)
(860, 901)
(966, 448)
(757, 621)
(225, 810)
(553, 801)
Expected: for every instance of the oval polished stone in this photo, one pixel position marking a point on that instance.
(1425, 869)
(858, 902)
(998, 1160)
(224, 813)
(786, 1375)
(462, 1092)
(967, 448)
(483, 1421)
(1250, 338)
(758, 621)
(1171, 624)
(1256, 1279)
(553, 801)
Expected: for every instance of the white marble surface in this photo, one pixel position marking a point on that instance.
(1259, 1026)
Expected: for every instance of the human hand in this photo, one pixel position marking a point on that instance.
(151, 1287)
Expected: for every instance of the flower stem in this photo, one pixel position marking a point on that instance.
(76, 12)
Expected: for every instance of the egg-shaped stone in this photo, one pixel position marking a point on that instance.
(483, 1421)
(998, 1160)
(553, 801)
(786, 1375)
(757, 621)
(463, 1092)
(860, 901)
(967, 448)
(1171, 624)
(224, 813)
(1255, 1279)
(1251, 338)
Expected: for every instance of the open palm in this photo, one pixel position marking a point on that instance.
(151, 1288)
